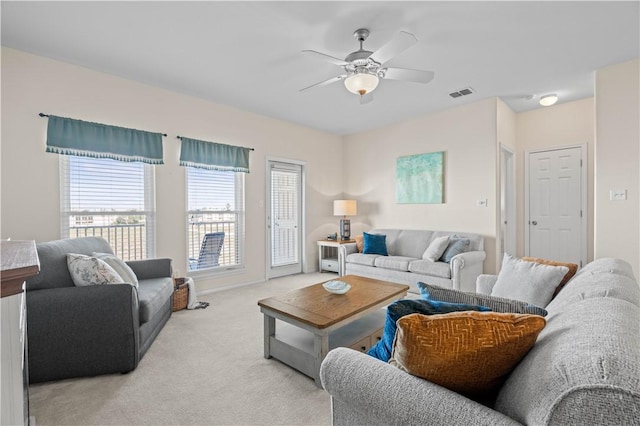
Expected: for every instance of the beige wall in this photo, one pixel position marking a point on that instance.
(562, 125)
(617, 223)
(30, 184)
(506, 136)
(467, 135)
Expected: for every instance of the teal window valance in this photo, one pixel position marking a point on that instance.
(85, 139)
(213, 156)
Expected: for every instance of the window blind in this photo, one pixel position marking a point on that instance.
(215, 204)
(111, 199)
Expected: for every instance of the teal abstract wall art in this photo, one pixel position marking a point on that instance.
(419, 178)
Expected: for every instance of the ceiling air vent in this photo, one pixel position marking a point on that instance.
(462, 92)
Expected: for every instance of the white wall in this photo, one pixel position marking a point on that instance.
(506, 136)
(467, 135)
(561, 125)
(30, 184)
(617, 223)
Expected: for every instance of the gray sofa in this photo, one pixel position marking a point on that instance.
(86, 331)
(583, 370)
(404, 264)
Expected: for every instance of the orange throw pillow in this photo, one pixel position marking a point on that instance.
(359, 243)
(573, 268)
(468, 352)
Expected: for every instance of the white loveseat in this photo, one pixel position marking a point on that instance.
(405, 265)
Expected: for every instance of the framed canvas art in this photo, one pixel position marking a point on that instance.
(419, 178)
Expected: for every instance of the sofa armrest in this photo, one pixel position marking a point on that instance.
(82, 331)
(465, 268)
(345, 250)
(485, 283)
(152, 268)
(365, 390)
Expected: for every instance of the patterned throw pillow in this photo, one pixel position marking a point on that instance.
(436, 248)
(375, 244)
(401, 308)
(124, 270)
(496, 304)
(573, 268)
(471, 353)
(87, 270)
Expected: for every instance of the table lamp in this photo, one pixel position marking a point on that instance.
(345, 208)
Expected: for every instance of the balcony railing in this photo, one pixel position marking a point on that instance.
(197, 231)
(128, 241)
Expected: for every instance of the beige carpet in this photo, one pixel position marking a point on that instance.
(206, 367)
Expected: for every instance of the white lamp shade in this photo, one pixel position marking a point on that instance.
(548, 100)
(361, 83)
(345, 207)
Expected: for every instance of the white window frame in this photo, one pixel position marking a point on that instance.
(149, 204)
(192, 252)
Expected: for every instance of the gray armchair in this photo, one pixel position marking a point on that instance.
(86, 331)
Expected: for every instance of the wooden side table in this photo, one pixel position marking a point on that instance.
(329, 255)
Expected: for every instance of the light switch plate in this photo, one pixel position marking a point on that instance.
(618, 194)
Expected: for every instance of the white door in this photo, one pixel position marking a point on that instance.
(555, 205)
(284, 218)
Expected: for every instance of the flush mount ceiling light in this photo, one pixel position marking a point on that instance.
(548, 100)
(361, 83)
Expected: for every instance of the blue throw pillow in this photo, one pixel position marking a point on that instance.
(456, 246)
(400, 308)
(375, 244)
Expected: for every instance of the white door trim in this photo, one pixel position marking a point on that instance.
(583, 202)
(507, 185)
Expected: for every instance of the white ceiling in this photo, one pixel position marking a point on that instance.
(247, 54)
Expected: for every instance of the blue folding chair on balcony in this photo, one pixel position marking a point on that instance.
(209, 256)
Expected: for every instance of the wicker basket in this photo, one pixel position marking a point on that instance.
(180, 294)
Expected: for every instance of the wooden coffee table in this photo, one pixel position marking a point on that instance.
(330, 320)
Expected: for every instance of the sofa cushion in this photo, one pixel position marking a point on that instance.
(125, 272)
(456, 246)
(359, 243)
(88, 270)
(527, 281)
(573, 268)
(427, 267)
(374, 244)
(153, 293)
(400, 308)
(496, 304)
(436, 248)
(468, 352)
(397, 263)
(362, 259)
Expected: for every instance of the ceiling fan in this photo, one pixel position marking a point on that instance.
(364, 69)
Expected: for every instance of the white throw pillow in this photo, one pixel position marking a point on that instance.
(530, 282)
(436, 248)
(124, 270)
(87, 270)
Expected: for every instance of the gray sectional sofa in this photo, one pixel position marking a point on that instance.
(405, 265)
(583, 370)
(87, 331)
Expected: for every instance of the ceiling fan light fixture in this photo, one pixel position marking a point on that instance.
(361, 83)
(548, 100)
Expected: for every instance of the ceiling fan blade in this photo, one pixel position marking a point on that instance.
(368, 97)
(325, 82)
(418, 76)
(325, 57)
(399, 43)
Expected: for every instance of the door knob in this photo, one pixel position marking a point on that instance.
(534, 223)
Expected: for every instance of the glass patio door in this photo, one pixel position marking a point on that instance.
(285, 218)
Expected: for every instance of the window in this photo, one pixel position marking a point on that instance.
(215, 218)
(110, 199)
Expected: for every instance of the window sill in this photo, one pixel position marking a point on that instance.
(216, 272)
